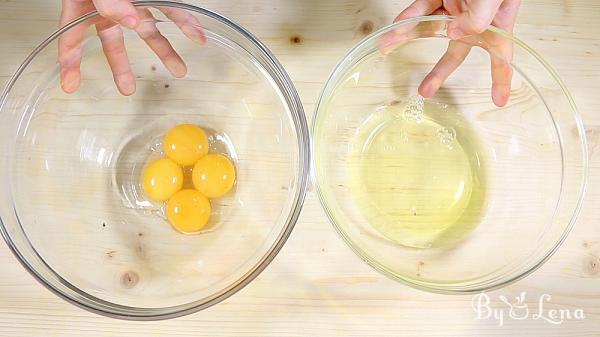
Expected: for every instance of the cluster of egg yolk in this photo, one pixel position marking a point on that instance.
(213, 175)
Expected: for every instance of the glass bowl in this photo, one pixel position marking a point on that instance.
(450, 193)
(72, 209)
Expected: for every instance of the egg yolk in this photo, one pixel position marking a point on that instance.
(161, 179)
(213, 175)
(188, 211)
(185, 144)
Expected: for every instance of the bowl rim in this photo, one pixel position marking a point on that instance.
(106, 308)
(440, 288)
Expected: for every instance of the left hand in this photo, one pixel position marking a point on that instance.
(113, 15)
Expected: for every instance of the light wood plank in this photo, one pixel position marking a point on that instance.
(321, 288)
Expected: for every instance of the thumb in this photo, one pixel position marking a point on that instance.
(474, 19)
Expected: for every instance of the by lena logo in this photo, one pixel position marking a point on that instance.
(518, 309)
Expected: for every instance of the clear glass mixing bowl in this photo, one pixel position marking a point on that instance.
(71, 207)
(526, 161)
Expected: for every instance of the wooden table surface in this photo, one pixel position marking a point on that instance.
(322, 289)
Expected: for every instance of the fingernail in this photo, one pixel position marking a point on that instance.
(499, 100)
(428, 88)
(425, 90)
(385, 49)
(455, 33)
(126, 84)
(129, 22)
(500, 95)
(70, 82)
(384, 42)
(195, 33)
(177, 68)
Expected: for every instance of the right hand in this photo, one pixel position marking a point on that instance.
(472, 18)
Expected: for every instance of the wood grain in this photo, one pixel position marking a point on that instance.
(316, 286)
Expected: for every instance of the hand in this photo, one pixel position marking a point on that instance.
(113, 15)
(472, 18)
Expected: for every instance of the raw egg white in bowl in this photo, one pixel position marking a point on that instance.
(460, 192)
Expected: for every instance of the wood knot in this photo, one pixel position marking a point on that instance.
(296, 39)
(588, 244)
(366, 27)
(139, 249)
(591, 265)
(129, 279)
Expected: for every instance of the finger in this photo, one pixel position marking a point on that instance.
(474, 19)
(120, 11)
(392, 39)
(436, 26)
(69, 45)
(187, 22)
(501, 78)
(501, 52)
(507, 15)
(159, 44)
(419, 8)
(501, 58)
(453, 57)
(113, 46)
